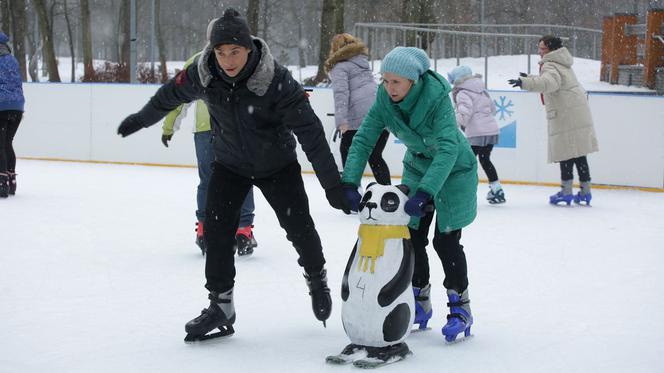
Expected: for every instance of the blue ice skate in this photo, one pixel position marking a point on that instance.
(560, 197)
(423, 309)
(583, 198)
(460, 318)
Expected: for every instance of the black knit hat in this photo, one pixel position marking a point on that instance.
(230, 29)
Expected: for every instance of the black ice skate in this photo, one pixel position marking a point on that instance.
(321, 302)
(4, 185)
(245, 241)
(220, 315)
(12, 183)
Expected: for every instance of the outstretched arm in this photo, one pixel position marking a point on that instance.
(183, 88)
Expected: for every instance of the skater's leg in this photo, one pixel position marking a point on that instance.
(246, 242)
(421, 287)
(484, 156)
(450, 252)
(419, 239)
(4, 140)
(226, 192)
(285, 192)
(496, 193)
(247, 212)
(583, 170)
(566, 179)
(15, 118)
(204, 158)
(344, 146)
(378, 165)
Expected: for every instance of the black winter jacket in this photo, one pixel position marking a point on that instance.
(253, 120)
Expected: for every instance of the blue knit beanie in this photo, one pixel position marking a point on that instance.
(408, 62)
(458, 73)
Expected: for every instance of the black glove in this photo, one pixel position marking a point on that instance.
(515, 82)
(337, 199)
(523, 75)
(130, 125)
(165, 139)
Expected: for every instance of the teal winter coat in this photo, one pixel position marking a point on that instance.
(438, 159)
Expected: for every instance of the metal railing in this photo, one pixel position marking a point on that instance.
(472, 40)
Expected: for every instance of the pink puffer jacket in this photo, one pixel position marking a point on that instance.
(475, 109)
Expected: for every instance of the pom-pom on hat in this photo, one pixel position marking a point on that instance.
(231, 28)
(407, 62)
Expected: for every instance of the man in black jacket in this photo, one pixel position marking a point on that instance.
(255, 107)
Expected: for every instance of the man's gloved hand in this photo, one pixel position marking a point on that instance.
(165, 139)
(416, 205)
(352, 196)
(515, 82)
(523, 75)
(130, 125)
(335, 196)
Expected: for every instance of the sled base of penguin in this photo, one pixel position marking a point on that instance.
(368, 357)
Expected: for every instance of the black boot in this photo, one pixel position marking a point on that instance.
(321, 302)
(220, 314)
(4, 186)
(12, 183)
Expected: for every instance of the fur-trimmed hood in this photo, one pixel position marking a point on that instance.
(345, 53)
(258, 82)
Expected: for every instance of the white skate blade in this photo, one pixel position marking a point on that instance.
(209, 338)
(458, 340)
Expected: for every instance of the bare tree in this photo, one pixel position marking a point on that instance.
(47, 39)
(123, 40)
(5, 20)
(252, 16)
(160, 42)
(326, 32)
(339, 16)
(86, 40)
(70, 33)
(17, 10)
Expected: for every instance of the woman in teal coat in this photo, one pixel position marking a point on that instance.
(439, 168)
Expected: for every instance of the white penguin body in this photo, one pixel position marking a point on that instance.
(378, 303)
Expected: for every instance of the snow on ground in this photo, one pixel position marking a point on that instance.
(99, 272)
(500, 69)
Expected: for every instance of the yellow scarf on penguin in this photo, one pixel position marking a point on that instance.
(373, 242)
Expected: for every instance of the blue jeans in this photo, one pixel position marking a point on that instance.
(205, 157)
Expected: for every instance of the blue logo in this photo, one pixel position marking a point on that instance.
(507, 131)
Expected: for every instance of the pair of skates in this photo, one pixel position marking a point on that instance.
(221, 312)
(245, 242)
(579, 198)
(459, 320)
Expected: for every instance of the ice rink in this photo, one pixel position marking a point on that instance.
(99, 273)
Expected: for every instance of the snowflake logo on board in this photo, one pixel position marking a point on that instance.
(504, 108)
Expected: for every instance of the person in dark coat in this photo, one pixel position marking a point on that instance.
(11, 113)
(255, 106)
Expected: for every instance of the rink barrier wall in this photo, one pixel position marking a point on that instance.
(78, 122)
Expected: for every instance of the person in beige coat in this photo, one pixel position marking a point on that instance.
(570, 125)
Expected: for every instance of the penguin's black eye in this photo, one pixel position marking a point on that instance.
(365, 199)
(390, 202)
